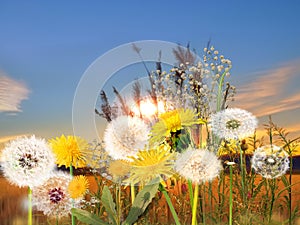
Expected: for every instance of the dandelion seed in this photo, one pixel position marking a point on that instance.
(270, 161)
(233, 123)
(198, 165)
(124, 136)
(53, 198)
(27, 161)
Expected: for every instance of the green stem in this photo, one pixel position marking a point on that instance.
(220, 88)
(242, 174)
(190, 187)
(230, 196)
(71, 174)
(29, 206)
(290, 188)
(203, 205)
(194, 210)
(118, 200)
(174, 214)
(210, 195)
(272, 187)
(132, 192)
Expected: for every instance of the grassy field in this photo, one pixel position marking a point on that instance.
(13, 204)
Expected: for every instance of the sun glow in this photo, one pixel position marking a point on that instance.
(148, 109)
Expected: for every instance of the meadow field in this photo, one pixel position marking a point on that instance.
(13, 209)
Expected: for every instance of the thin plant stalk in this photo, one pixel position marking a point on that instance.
(190, 187)
(230, 195)
(118, 200)
(72, 216)
(174, 214)
(220, 92)
(290, 188)
(203, 205)
(210, 195)
(271, 184)
(243, 178)
(29, 206)
(132, 192)
(195, 201)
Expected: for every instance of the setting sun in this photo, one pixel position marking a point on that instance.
(148, 109)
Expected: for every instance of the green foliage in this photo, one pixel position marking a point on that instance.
(87, 217)
(142, 200)
(109, 204)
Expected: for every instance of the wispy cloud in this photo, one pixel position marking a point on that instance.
(12, 93)
(271, 91)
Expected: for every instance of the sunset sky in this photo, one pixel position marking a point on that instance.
(45, 48)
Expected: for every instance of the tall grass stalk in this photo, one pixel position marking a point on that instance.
(174, 214)
(195, 201)
(72, 216)
(132, 192)
(243, 175)
(29, 206)
(230, 195)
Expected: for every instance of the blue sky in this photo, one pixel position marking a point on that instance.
(48, 45)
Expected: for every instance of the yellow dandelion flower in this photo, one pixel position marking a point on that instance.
(149, 164)
(70, 150)
(78, 187)
(172, 121)
(119, 168)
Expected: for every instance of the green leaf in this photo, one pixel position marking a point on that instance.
(87, 217)
(109, 204)
(142, 200)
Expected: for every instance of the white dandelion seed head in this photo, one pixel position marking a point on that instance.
(233, 123)
(125, 136)
(270, 161)
(52, 198)
(198, 165)
(27, 161)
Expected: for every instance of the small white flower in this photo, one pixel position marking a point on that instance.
(270, 161)
(52, 198)
(198, 165)
(125, 136)
(27, 161)
(233, 123)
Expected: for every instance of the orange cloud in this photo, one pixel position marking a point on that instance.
(273, 92)
(12, 93)
(269, 91)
